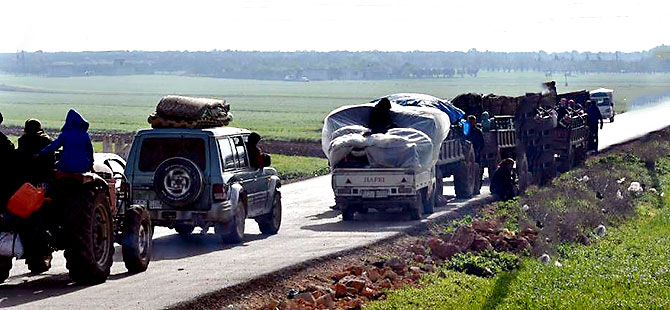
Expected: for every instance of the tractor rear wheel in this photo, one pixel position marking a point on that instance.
(90, 237)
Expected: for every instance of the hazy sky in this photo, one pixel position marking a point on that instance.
(355, 25)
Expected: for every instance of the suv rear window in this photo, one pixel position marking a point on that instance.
(156, 150)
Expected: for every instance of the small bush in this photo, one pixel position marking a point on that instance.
(485, 264)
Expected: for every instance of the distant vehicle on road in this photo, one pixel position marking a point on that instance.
(604, 99)
(201, 177)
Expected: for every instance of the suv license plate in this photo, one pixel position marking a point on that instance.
(155, 204)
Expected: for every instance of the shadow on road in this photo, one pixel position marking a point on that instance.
(29, 291)
(324, 215)
(175, 246)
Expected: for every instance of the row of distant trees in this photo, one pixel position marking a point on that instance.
(339, 65)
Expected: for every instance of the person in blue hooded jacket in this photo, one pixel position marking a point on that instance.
(77, 154)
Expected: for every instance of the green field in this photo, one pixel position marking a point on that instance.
(276, 109)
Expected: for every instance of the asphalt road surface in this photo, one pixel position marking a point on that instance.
(182, 269)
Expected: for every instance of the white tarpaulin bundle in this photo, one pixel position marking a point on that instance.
(413, 143)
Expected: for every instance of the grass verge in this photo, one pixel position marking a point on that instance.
(292, 168)
(628, 268)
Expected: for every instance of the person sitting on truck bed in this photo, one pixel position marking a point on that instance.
(77, 155)
(593, 118)
(486, 121)
(503, 182)
(380, 119)
(33, 140)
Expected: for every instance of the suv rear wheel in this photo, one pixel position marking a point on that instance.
(137, 235)
(91, 238)
(233, 231)
(269, 224)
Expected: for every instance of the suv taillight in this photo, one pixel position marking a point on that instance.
(219, 192)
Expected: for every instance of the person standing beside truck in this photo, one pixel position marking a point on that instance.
(6, 160)
(476, 137)
(593, 116)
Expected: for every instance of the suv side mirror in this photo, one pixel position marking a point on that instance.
(267, 161)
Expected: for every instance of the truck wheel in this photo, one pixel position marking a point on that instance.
(136, 239)
(428, 201)
(5, 267)
(464, 176)
(439, 188)
(184, 230)
(612, 119)
(479, 171)
(269, 224)
(91, 237)
(347, 212)
(233, 231)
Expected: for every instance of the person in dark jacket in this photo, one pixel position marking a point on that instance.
(503, 182)
(254, 152)
(380, 119)
(476, 137)
(33, 140)
(593, 118)
(7, 156)
(77, 154)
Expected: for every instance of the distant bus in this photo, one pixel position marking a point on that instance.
(604, 99)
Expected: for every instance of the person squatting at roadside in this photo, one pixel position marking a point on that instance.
(593, 118)
(33, 140)
(77, 154)
(503, 182)
(476, 137)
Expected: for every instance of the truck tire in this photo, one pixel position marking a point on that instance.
(269, 224)
(5, 267)
(347, 212)
(439, 188)
(612, 119)
(184, 230)
(178, 181)
(90, 249)
(464, 176)
(479, 172)
(414, 211)
(136, 239)
(233, 231)
(428, 200)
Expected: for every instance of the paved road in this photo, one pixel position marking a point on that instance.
(185, 268)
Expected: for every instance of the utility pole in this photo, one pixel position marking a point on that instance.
(566, 79)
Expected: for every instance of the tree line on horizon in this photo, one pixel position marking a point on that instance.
(337, 65)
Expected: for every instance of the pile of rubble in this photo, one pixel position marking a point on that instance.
(355, 285)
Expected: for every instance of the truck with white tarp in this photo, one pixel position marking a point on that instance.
(403, 167)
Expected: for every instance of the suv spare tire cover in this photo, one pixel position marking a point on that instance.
(178, 181)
